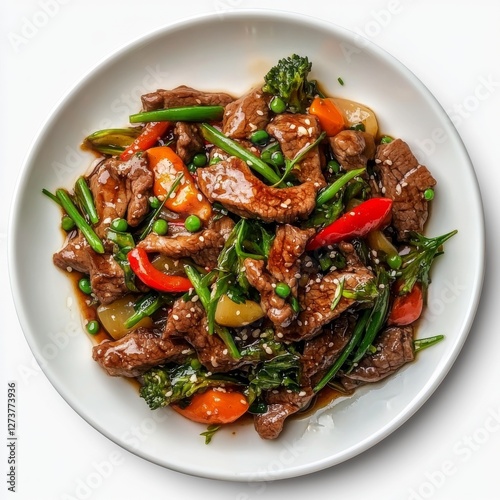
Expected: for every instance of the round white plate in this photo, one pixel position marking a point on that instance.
(232, 52)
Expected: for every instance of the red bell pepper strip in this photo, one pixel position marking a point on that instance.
(152, 277)
(358, 222)
(150, 135)
(406, 308)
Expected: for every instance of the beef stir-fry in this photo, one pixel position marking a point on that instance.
(239, 255)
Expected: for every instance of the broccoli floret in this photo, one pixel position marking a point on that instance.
(288, 81)
(162, 386)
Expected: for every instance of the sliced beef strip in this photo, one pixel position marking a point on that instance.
(121, 190)
(183, 96)
(74, 256)
(404, 180)
(394, 349)
(277, 309)
(139, 183)
(283, 265)
(322, 351)
(110, 194)
(139, 351)
(106, 276)
(317, 296)
(281, 404)
(247, 114)
(188, 320)
(295, 132)
(353, 148)
(203, 247)
(232, 183)
(189, 140)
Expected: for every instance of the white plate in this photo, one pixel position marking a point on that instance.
(232, 52)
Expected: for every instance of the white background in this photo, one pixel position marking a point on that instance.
(450, 449)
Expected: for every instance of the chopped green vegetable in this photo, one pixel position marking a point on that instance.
(181, 114)
(288, 81)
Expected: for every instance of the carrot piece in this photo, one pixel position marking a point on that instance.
(407, 308)
(329, 115)
(187, 199)
(214, 407)
(150, 135)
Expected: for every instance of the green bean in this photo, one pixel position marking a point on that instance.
(200, 286)
(211, 134)
(421, 344)
(144, 307)
(329, 192)
(181, 114)
(377, 316)
(353, 342)
(82, 224)
(86, 199)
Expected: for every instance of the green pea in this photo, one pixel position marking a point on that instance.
(334, 166)
(277, 158)
(93, 327)
(85, 286)
(67, 223)
(200, 160)
(192, 167)
(429, 194)
(154, 202)
(282, 290)
(160, 227)
(386, 139)
(192, 223)
(394, 261)
(277, 105)
(119, 225)
(259, 138)
(359, 127)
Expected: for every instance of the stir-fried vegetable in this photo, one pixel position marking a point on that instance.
(214, 406)
(181, 114)
(357, 222)
(288, 82)
(329, 115)
(150, 276)
(187, 199)
(151, 134)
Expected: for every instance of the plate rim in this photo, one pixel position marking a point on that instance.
(243, 15)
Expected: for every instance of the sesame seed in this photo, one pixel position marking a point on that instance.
(175, 316)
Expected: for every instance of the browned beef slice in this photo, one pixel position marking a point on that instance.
(394, 349)
(74, 256)
(276, 308)
(203, 247)
(139, 351)
(121, 189)
(232, 183)
(317, 296)
(189, 140)
(139, 183)
(110, 194)
(247, 114)
(183, 96)
(189, 321)
(281, 404)
(282, 266)
(295, 132)
(106, 277)
(353, 148)
(403, 180)
(320, 353)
